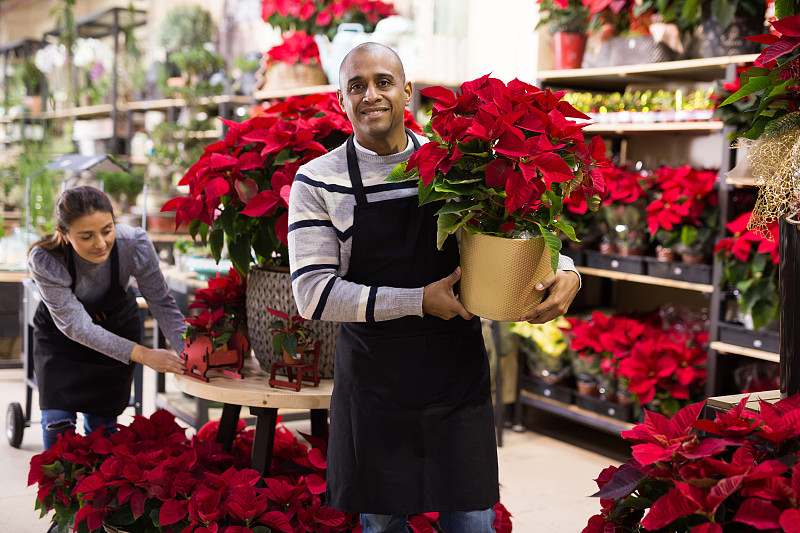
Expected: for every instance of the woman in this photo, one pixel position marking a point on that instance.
(87, 328)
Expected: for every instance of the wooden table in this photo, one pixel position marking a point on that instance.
(726, 403)
(264, 401)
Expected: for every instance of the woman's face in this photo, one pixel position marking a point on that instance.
(92, 236)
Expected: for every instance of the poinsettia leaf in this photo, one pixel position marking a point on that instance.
(790, 521)
(458, 206)
(239, 252)
(446, 225)
(315, 483)
(754, 85)
(399, 174)
(667, 509)
(216, 241)
(172, 511)
(276, 520)
(758, 513)
(707, 527)
(624, 482)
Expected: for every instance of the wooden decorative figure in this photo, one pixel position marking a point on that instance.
(201, 357)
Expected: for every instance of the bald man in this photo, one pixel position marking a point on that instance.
(412, 427)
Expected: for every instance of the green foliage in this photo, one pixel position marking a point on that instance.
(574, 18)
(121, 183)
(186, 27)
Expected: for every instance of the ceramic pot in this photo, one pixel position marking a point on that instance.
(665, 254)
(297, 359)
(568, 49)
(498, 275)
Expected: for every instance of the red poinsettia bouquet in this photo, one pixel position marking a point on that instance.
(239, 188)
(622, 214)
(222, 309)
(661, 365)
(750, 269)
(324, 17)
(684, 214)
(297, 47)
(737, 472)
(506, 157)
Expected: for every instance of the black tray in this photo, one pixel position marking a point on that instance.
(604, 407)
(554, 392)
(619, 263)
(689, 272)
(768, 341)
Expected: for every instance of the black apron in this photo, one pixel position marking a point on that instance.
(74, 377)
(412, 426)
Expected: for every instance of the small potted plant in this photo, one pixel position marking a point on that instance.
(504, 158)
(567, 20)
(290, 338)
(622, 213)
(294, 63)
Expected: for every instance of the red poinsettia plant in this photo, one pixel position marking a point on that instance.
(750, 268)
(737, 472)
(239, 188)
(222, 307)
(297, 47)
(684, 214)
(324, 16)
(662, 365)
(506, 157)
(622, 214)
(150, 476)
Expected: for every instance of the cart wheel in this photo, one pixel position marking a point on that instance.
(15, 424)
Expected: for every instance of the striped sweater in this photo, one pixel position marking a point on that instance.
(320, 237)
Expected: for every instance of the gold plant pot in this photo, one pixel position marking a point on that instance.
(498, 275)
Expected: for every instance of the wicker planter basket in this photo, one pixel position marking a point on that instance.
(273, 288)
(498, 275)
(284, 76)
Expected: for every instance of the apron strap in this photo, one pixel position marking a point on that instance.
(355, 171)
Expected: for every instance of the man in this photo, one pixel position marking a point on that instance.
(411, 416)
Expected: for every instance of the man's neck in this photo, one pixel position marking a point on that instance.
(384, 146)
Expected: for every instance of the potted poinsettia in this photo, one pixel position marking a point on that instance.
(622, 213)
(750, 269)
(294, 63)
(683, 216)
(291, 338)
(567, 20)
(238, 198)
(315, 17)
(504, 157)
(738, 472)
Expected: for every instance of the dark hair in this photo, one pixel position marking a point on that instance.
(73, 204)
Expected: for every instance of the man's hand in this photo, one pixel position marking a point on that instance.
(440, 301)
(158, 360)
(563, 287)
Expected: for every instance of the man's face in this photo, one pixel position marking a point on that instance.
(373, 92)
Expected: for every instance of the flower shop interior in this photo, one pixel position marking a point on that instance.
(666, 375)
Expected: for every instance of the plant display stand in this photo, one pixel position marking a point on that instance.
(201, 357)
(305, 371)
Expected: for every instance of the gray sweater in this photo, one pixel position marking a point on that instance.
(137, 260)
(320, 229)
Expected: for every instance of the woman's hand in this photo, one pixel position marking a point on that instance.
(158, 360)
(563, 286)
(440, 301)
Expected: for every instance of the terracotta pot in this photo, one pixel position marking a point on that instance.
(568, 49)
(498, 275)
(697, 259)
(626, 251)
(665, 254)
(608, 248)
(298, 358)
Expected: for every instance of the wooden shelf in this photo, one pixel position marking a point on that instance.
(102, 110)
(648, 280)
(656, 127)
(744, 351)
(726, 403)
(617, 77)
(573, 412)
(298, 91)
(166, 103)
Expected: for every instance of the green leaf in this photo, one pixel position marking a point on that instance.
(239, 251)
(475, 147)
(763, 312)
(568, 230)
(53, 469)
(226, 219)
(754, 85)
(688, 234)
(215, 242)
(785, 8)
(429, 194)
(446, 225)
(290, 345)
(457, 189)
(458, 207)
(553, 244)
(398, 174)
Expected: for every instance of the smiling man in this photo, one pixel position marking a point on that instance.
(412, 427)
